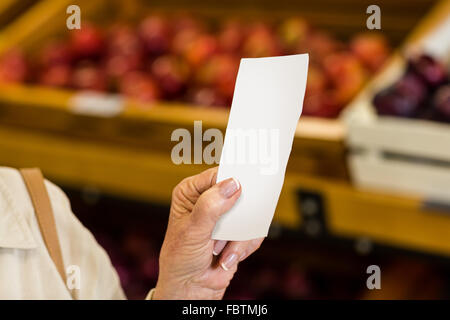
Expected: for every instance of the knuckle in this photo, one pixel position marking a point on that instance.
(208, 204)
(213, 173)
(178, 190)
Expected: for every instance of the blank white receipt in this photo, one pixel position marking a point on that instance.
(267, 104)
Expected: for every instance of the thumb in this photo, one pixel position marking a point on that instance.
(213, 203)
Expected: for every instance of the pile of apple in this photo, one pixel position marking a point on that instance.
(422, 92)
(186, 59)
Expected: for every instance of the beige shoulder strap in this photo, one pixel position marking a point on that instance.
(34, 182)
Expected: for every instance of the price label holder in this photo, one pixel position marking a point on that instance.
(96, 104)
(438, 206)
(312, 211)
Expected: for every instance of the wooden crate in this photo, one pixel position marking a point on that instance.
(402, 155)
(318, 146)
(319, 143)
(11, 9)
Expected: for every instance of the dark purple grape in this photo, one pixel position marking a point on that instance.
(429, 69)
(389, 102)
(441, 101)
(412, 86)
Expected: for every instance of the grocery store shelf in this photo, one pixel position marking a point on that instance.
(11, 9)
(149, 175)
(318, 144)
(51, 99)
(399, 221)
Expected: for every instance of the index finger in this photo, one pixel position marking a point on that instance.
(192, 187)
(205, 180)
(236, 251)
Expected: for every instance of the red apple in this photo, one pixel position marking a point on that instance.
(349, 88)
(55, 52)
(87, 42)
(321, 105)
(351, 84)
(125, 52)
(13, 66)
(156, 34)
(59, 75)
(317, 80)
(319, 45)
(89, 77)
(182, 40)
(117, 65)
(371, 48)
(201, 49)
(172, 74)
(346, 73)
(231, 36)
(122, 40)
(261, 42)
(220, 72)
(139, 85)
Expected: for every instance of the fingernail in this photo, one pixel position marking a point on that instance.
(242, 257)
(229, 262)
(218, 247)
(229, 187)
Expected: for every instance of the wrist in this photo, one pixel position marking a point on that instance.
(166, 291)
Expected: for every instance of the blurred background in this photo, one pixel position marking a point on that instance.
(368, 181)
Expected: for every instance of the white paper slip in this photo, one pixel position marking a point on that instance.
(267, 103)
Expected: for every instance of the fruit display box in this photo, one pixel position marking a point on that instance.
(319, 144)
(11, 9)
(400, 139)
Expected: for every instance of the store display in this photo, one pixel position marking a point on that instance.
(14, 67)
(186, 59)
(368, 184)
(398, 125)
(422, 92)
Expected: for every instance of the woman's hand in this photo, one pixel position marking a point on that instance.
(188, 267)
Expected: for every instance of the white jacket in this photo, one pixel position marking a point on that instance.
(26, 269)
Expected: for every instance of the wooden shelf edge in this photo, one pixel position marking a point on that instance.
(162, 112)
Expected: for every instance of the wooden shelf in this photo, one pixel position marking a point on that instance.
(398, 221)
(318, 145)
(150, 175)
